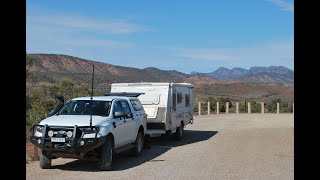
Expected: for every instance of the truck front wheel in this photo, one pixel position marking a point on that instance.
(106, 156)
(45, 160)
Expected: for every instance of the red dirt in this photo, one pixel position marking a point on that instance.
(30, 152)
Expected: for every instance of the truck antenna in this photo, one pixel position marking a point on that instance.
(91, 93)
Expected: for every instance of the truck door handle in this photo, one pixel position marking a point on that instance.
(114, 124)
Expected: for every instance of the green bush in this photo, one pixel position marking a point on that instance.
(243, 107)
(284, 107)
(33, 116)
(255, 107)
(223, 102)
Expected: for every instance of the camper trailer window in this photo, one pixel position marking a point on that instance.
(187, 96)
(179, 98)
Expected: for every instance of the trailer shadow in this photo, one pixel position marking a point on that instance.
(190, 136)
(125, 160)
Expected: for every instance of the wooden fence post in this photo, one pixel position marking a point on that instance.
(217, 107)
(292, 108)
(227, 107)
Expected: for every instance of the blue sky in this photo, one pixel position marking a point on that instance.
(177, 35)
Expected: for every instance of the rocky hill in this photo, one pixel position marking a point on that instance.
(271, 74)
(53, 67)
(261, 86)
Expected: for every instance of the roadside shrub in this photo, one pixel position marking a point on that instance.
(222, 103)
(255, 107)
(33, 116)
(272, 106)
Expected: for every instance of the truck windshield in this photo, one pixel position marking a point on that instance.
(83, 107)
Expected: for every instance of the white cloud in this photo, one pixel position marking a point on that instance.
(78, 23)
(72, 22)
(203, 54)
(271, 53)
(283, 5)
(48, 31)
(39, 36)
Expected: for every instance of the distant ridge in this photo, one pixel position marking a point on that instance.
(271, 74)
(263, 86)
(52, 67)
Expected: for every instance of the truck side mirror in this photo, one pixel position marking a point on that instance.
(119, 114)
(129, 115)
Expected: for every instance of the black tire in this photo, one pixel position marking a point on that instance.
(138, 145)
(179, 132)
(45, 160)
(106, 156)
(147, 141)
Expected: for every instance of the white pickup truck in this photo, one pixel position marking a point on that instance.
(96, 127)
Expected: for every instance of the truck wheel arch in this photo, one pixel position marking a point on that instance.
(141, 129)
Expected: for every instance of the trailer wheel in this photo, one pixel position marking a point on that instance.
(45, 160)
(106, 156)
(138, 145)
(179, 132)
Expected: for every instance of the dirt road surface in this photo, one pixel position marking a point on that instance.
(223, 146)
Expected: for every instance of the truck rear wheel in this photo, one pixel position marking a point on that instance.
(138, 145)
(106, 156)
(179, 132)
(45, 160)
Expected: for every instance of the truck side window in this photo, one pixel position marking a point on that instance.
(116, 107)
(125, 107)
(137, 106)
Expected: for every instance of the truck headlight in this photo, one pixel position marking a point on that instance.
(39, 129)
(50, 133)
(69, 134)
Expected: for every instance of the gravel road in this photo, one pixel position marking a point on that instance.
(223, 146)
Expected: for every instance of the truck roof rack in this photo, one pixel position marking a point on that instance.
(127, 94)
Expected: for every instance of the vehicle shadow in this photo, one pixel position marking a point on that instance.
(123, 161)
(190, 136)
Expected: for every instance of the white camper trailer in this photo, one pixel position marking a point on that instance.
(169, 106)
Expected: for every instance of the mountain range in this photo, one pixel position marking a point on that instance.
(262, 84)
(52, 67)
(271, 74)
